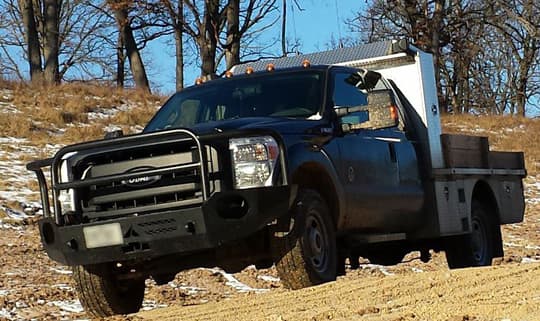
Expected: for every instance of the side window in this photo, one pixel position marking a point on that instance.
(346, 94)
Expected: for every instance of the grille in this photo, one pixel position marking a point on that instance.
(147, 178)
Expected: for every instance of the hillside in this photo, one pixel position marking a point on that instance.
(34, 123)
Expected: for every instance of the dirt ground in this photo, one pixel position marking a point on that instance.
(34, 287)
(510, 292)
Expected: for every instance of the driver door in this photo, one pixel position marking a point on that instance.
(369, 166)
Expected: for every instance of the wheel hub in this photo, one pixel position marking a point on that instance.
(317, 244)
(479, 240)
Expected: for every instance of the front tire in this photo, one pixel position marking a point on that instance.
(478, 247)
(307, 255)
(102, 294)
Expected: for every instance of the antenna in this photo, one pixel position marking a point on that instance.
(338, 24)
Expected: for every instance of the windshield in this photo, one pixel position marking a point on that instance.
(296, 95)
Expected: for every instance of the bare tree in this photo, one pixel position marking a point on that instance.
(177, 16)
(85, 45)
(421, 21)
(240, 25)
(485, 52)
(32, 40)
(121, 12)
(519, 24)
(205, 29)
(232, 44)
(51, 15)
(226, 29)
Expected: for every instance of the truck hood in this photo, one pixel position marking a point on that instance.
(283, 126)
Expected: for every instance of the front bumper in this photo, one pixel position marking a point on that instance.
(172, 232)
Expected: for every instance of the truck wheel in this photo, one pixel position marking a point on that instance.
(307, 255)
(476, 248)
(102, 294)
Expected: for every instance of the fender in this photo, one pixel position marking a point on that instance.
(304, 156)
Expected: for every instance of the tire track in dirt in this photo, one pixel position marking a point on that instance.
(509, 292)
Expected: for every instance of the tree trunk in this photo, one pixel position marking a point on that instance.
(51, 14)
(120, 61)
(135, 61)
(232, 49)
(179, 39)
(32, 41)
(208, 38)
(437, 21)
(521, 91)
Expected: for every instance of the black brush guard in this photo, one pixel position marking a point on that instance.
(202, 223)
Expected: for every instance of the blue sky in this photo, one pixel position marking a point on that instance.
(314, 27)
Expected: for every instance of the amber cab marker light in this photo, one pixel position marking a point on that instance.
(249, 70)
(198, 81)
(393, 112)
(229, 74)
(270, 67)
(306, 64)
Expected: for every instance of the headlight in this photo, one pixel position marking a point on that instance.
(66, 197)
(254, 160)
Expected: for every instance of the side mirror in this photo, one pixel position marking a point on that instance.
(380, 112)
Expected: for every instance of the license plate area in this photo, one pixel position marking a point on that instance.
(103, 235)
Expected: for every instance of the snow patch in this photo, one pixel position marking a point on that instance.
(151, 305)
(106, 113)
(73, 306)
(417, 270)
(7, 226)
(528, 246)
(111, 128)
(21, 305)
(13, 214)
(234, 283)
(12, 140)
(7, 314)
(381, 268)
(530, 259)
(268, 278)
(190, 290)
(61, 270)
(63, 286)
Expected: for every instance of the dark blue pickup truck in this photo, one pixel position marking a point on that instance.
(303, 167)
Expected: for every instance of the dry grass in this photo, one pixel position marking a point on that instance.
(7, 84)
(505, 133)
(46, 110)
(138, 116)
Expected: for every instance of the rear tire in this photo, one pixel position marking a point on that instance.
(307, 255)
(102, 294)
(478, 247)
